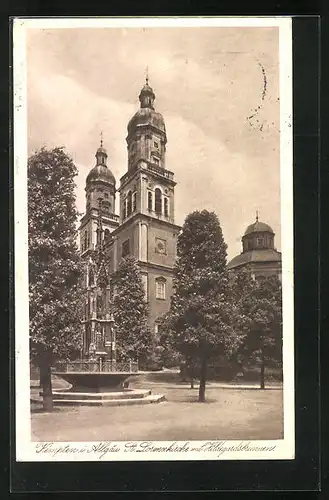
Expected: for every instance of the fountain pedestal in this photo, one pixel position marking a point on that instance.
(99, 388)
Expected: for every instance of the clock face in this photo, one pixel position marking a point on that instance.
(160, 246)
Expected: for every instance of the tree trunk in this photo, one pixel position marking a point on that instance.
(262, 372)
(192, 376)
(203, 378)
(45, 382)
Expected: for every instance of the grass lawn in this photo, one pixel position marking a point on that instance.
(229, 413)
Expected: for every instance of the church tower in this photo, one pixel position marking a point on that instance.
(147, 228)
(100, 195)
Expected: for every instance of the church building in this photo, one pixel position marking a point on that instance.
(259, 254)
(145, 226)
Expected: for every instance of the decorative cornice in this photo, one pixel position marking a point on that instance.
(144, 218)
(153, 265)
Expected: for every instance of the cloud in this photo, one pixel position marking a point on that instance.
(80, 84)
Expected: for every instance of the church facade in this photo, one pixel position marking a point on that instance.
(145, 225)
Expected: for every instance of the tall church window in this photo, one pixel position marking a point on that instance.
(129, 203)
(106, 234)
(125, 248)
(160, 288)
(134, 201)
(125, 209)
(86, 241)
(156, 160)
(260, 242)
(158, 201)
(149, 200)
(166, 207)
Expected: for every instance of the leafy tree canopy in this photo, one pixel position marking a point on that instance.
(54, 262)
(130, 311)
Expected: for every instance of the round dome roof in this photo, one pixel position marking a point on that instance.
(100, 173)
(101, 150)
(258, 227)
(146, 116)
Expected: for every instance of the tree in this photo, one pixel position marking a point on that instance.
(54, 263)
(260, 305)
(200, 317)
(130, 312)
(264, 342)
(241, 293)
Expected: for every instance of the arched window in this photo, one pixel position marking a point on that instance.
(91, 277)
(134, 201)
(149, 200)
(106, 206)
(158, 327)
(260, 277)
(86, 241)
(158, 201)
(125, 250)
(160, 288)
(166, 207)
(129, 203)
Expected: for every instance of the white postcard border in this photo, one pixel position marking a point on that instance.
(28, 451)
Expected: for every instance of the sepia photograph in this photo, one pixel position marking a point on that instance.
(153, 239)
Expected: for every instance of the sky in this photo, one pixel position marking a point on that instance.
(217, 89)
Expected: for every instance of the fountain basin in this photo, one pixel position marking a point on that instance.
(95, 381)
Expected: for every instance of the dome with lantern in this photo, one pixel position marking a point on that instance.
(146, 115)
(100, 172)
(258, 251)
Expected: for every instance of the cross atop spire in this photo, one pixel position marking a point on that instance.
(101, 134)
(257, 214)
(147, 75)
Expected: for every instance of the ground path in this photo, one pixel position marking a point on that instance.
(231, 412)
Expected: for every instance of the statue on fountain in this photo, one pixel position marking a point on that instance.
(99, 333)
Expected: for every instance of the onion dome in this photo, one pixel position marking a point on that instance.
(146, 115)
(147, 96)
(100, 172)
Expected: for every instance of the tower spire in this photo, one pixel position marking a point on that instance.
(146, 96)
(101, 154)
(257, 215)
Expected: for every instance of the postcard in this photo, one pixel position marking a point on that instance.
(153, 209)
